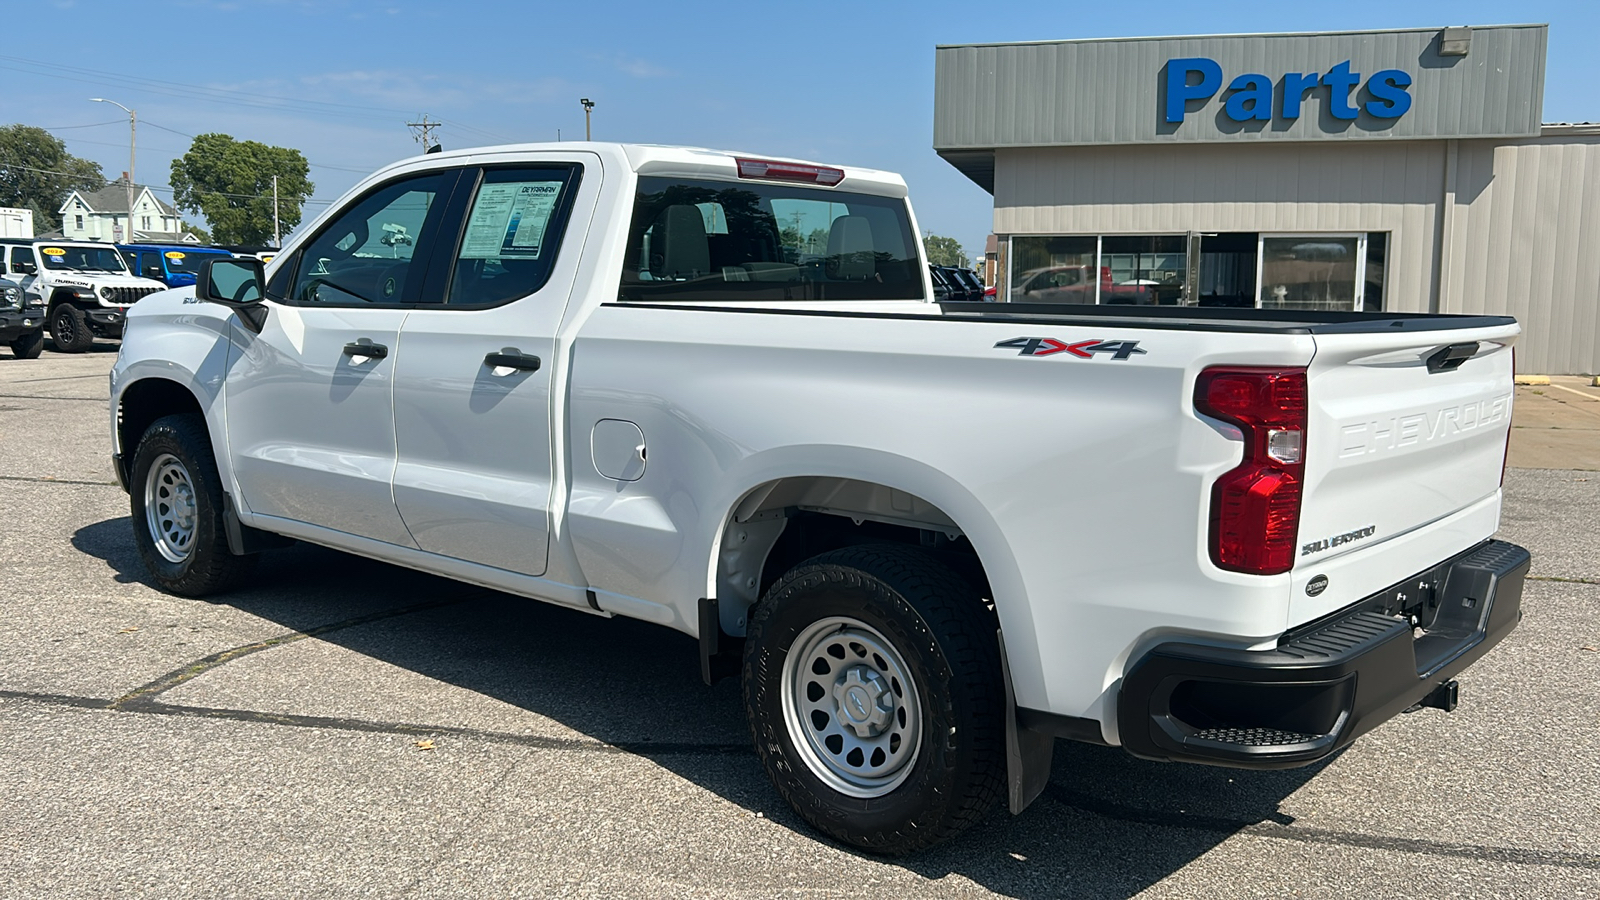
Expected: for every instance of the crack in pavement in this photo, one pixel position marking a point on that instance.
(1562, 579)
(148, 692)
(338, 723)
(1105, 809)
(1289, 832)
(46, 479)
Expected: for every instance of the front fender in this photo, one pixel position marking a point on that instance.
(169, 337)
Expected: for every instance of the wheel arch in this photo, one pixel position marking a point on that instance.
(143, 401)
(882, 491)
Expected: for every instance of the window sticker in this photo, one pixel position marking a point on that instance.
(174, 254)
(509, 220)
(52, 251)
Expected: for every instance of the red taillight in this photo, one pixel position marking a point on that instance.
(1255, 507)
(783, 171)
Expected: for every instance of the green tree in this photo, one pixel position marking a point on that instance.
(944, 251)
(230, 183)
(37, 173)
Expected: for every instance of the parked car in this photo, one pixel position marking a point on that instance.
(928, 540)
(21, 321)
(942, 289)
(1062, 284)
(85, 287)
(964, 284)
(174, 265)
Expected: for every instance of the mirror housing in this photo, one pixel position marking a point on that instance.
(154, 272)
(237, 284)
(27, 268)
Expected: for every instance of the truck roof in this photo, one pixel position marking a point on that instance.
(665, 159)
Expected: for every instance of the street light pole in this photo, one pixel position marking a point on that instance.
(588, 107)
(277, 239)
(133, 135)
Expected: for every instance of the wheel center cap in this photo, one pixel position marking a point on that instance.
(863, 701)
(183, 506)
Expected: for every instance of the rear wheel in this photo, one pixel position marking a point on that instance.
(69, 329)
(29, 346)
(872, 684)
(176, 499)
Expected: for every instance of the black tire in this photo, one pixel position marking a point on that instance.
(29, 346)
(69, 329)
(945, 636)
(204, 564)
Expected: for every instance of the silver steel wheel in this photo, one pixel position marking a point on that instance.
(169, 508)
(851, 707)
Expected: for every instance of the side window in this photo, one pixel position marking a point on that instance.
(513, 230)
(368, 255)
(21, 255)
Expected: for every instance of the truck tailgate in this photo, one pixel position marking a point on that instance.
(1396, 447)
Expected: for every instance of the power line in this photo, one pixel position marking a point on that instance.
(226, 96)
(94, 125)
(164, 190)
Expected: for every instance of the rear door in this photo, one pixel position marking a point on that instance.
(477, 364)
(1403, 439)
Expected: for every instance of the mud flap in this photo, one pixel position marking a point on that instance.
(1028, 752)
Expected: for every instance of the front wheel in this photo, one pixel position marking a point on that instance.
(176, 500)
(873, 688)
(29, 346)
(69, 328)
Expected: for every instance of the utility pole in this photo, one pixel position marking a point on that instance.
(588, 107)
(277, 239)
(422, 132)
(133, 135)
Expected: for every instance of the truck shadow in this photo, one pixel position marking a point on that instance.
(1108, 825)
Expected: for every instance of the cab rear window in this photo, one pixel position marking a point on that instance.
(715, 240)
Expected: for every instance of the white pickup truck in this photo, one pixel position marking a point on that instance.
(713, 392)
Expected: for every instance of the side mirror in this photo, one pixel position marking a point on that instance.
(154, 272)
(26, 268)
(235, 283)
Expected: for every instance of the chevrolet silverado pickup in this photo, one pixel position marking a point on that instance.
(713, 391)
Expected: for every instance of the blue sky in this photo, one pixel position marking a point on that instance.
(849, 83)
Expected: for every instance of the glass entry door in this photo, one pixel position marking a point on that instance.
(1312, 271)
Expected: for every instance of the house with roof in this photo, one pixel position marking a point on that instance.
(97, 215)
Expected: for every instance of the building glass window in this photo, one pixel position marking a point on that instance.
(1054, 270)
(1377, 253)
(1312, 271)
(1228, 270)
(1145, 270)
(79, 221)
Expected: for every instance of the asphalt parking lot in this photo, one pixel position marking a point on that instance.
(348, 729)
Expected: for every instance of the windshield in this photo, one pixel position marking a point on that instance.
(188, 262)
(79, 258)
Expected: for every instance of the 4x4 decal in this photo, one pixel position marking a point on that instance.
(1027, 346)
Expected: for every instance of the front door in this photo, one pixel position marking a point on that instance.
(310, 399)
(472, 391)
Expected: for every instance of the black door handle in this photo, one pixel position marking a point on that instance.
(365, 347)
(512, 358)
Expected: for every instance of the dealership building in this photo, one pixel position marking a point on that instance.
(1403, 171)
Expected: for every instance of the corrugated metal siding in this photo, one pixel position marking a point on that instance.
(1525, 241)
(1103, 92)
(1395, 187)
